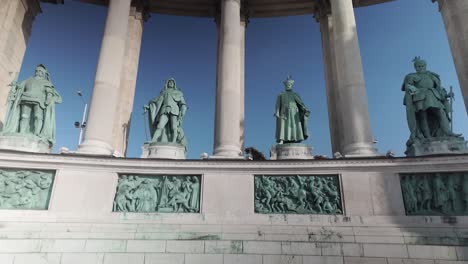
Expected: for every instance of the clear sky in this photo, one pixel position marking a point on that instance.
(66, 38)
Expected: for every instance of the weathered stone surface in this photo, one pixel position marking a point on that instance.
(291, 151)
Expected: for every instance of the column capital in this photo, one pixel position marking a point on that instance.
(244, 12)
(141, 10)
(322, 9)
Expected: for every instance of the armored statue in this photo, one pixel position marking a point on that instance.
(166, 112)
(291, 116)
(428, 108)
(427, 104)
(31, 107)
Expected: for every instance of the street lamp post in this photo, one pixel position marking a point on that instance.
(82, 125)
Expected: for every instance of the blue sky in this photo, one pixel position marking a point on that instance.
(66, 38)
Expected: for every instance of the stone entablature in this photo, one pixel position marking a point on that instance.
(257, 8)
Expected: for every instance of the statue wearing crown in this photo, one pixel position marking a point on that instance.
(428, 112)
(291, 125)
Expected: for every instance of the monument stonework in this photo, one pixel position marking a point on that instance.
(90, 207)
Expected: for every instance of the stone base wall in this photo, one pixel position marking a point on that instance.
(80, 226)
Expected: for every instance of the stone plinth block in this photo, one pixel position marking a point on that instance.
(163, 151)
(450, 145)
(291, 151)
(24, 143)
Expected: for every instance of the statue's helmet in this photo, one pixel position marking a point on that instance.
(289, 81)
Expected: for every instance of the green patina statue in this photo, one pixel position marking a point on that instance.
(31, 107)
(166, 112)
(158, 193)
(428, 105)
(291, 116)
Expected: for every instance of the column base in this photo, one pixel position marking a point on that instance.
(360, 150)
(95, 147)
(227, 152)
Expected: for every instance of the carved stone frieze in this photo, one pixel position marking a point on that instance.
(435, 193)
(25, 189)
(158, 193)
(298, 194)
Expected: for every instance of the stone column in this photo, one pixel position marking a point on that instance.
(326, 28)
(228, 88)
(455, 16)
(243, 26)
(105, 98)
(352, 114)
(128, 79)
(16, 19)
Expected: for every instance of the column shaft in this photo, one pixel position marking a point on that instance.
(329, 62)
(455, 16)
(243, 25)
(105, 97)
(352, 112)
(128, 80)
(16, 19)
(228, 89)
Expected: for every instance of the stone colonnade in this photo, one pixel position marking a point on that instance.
(112, 99)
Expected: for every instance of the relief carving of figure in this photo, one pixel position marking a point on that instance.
(157, 194)
(24, 189)
(435, 193)
(297, 194)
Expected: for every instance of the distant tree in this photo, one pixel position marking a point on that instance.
(254, 154)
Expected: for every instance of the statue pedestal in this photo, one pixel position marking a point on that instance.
(163, 151)
(27, 143)
(291, 151)
(448, 145)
